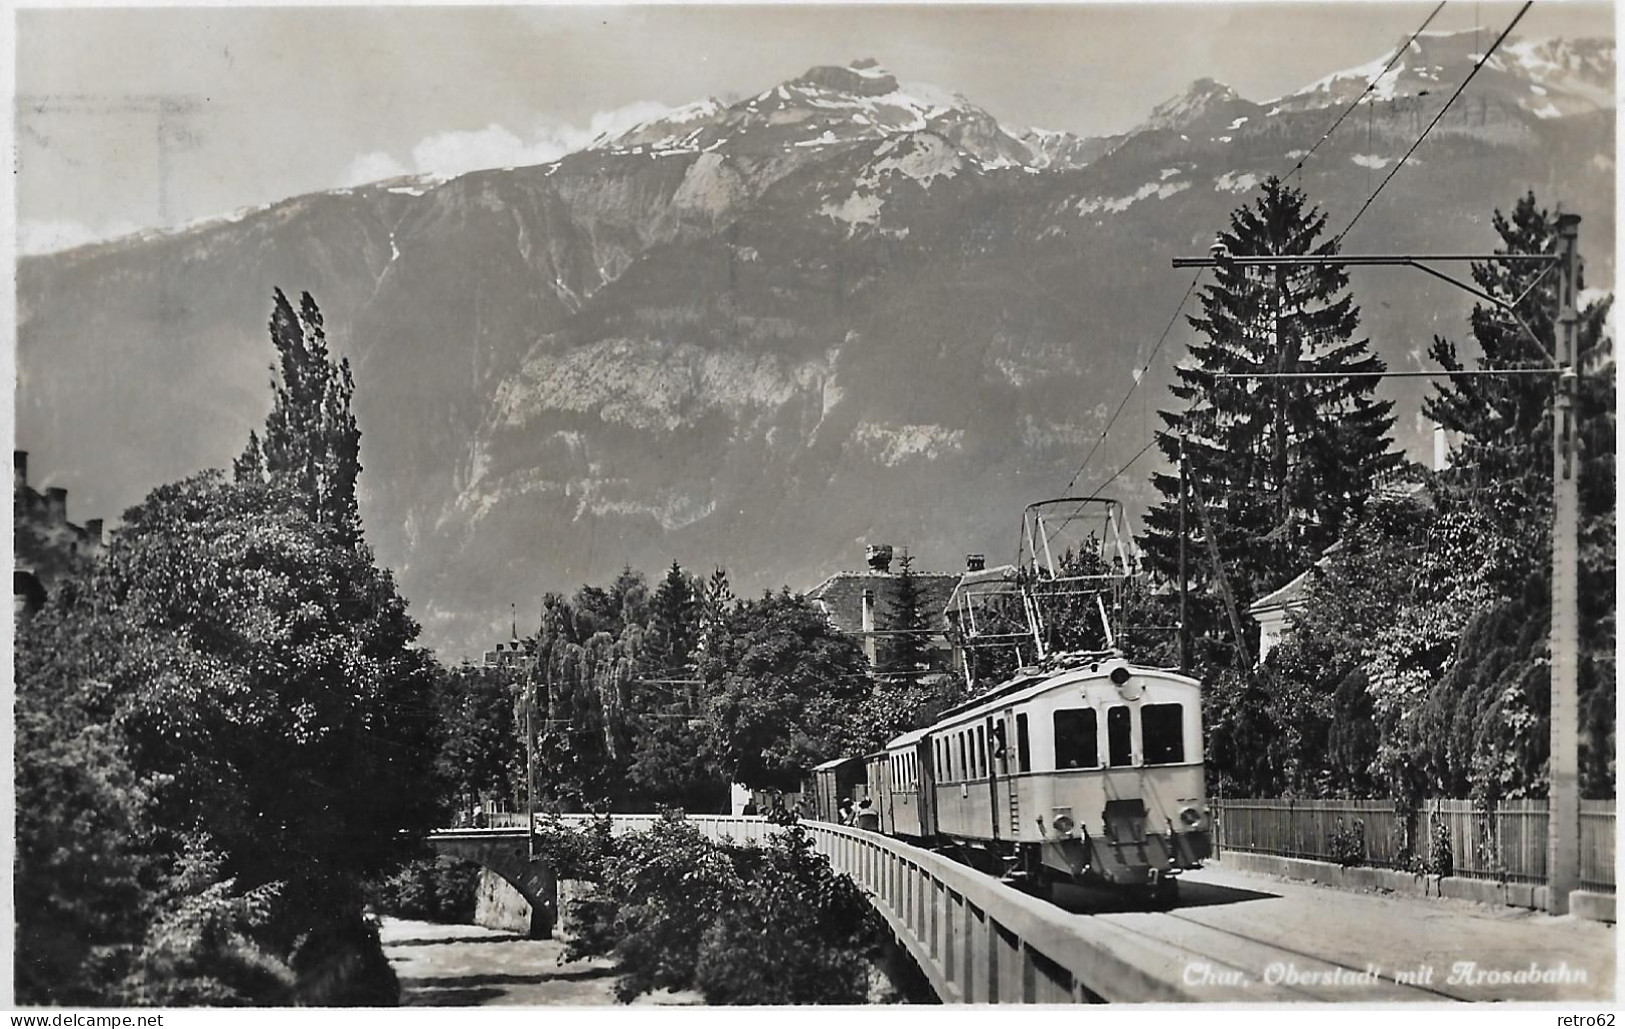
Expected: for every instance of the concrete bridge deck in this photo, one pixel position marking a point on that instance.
(1232, 938)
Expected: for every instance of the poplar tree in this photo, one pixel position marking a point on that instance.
(311, 443)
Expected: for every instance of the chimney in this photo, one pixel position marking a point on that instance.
(1441, 449)
(975, 562)
(56, 505)
(19, 469)
(869, 623)
(93, 533)
(879, 556)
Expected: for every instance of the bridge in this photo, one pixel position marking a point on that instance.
(1232, 938)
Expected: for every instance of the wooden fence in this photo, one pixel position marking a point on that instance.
(1507, 844)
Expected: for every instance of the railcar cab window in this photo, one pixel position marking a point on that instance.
(1162, 733)
(1119, 745)
(1077, 739)
(1022, 763)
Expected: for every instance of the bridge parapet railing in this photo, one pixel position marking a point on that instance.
(977, 940)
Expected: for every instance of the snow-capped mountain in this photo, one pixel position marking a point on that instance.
(1207, 108)
(759, 334)
(826, 106)
(1547, 77)
(1052, 149)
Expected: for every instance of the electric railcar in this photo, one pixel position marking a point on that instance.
(1088, 772)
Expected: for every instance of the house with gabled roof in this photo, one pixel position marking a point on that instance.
(861, 604)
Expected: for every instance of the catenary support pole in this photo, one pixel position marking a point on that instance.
(1563, 832)
(1184, 581)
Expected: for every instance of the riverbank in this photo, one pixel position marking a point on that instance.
(470, 966)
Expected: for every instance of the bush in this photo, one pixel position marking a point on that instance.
(770, 924)
(798, 936)
(1347, 845)
(432, 891)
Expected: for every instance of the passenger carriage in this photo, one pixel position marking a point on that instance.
(1083, 767)
(1090, 773)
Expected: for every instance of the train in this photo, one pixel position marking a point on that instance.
(1084, 768)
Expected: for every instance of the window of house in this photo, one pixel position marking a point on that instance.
(1077, 740)
(1119, 744)
(1022, 762)
(1162, 733)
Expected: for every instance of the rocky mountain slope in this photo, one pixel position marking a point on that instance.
(846, 309)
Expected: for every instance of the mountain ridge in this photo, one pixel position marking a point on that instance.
(734, 349)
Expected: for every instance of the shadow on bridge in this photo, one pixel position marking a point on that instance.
(1085, 900)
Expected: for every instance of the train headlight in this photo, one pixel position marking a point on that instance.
(1064, 825)
(1119, 675)
(1191, 816)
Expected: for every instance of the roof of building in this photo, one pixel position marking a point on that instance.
(1288, 598)
(841, 597)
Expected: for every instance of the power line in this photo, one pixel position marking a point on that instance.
(1368, 88)
(1135, 384)
(1371, 85)
(1138, 454)
(1484, 57)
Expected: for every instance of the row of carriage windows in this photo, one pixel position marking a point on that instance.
(905, 771)
(965, 754)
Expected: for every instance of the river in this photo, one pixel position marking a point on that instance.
(470, 966)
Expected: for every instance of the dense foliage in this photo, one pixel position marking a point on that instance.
(430, 890)
(767, 924)
(783, 688)
(224, 730)
(609, 690)
(1417, 663)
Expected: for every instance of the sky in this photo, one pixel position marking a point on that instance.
(135, 118)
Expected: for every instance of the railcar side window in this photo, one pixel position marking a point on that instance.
(1162, 733)
(1118, 743)
(1022, 763)
(981, 751)
(964, 772)
(1077, 742)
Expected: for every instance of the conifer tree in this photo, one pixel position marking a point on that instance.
(1504, 422)
(716, 601)
(673, 620)
(311, 442)
(906, 650)
(1275, 465)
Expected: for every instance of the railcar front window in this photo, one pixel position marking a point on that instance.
(1077, 743)
(1118, 743)
(1162, 731)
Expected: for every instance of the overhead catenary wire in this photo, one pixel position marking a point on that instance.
(1369, 86)
(1343, 115)
(1482, 59)
(1144, 369)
